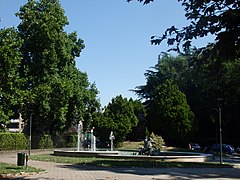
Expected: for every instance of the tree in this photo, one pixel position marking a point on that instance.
(47, 48)
(11, 93)
(57, 92)
(139, 131)
(216, 78)
(169, 67)
(219, 18)
(119, 116)
(176, 70)
(169, 115)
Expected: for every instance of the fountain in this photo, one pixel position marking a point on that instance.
(86, 146)
(79, 140)
(148, 152)
(148, 148)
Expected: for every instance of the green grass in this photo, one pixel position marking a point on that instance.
(131, 145)
(6, 168)
(107, 162)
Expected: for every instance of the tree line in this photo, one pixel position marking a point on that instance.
(39, 77)
(205, 74)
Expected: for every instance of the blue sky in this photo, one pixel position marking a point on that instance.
(117, 38)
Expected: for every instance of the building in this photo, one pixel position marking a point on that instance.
(16, 125)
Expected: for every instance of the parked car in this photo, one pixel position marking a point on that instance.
(215, 148)
(195, 146)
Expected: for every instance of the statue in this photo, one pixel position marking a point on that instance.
(148, 148)
(111, 137)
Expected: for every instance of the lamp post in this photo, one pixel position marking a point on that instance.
(30, 132)
(220, 100)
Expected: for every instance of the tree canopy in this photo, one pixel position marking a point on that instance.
(10, 82)
(42, 56)
(203, 81)
(167, 109)
(119, 116)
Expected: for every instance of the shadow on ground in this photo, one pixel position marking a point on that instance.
(182, 173)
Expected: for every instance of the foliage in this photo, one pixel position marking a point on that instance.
(120, 116)
(67, 140)
(168, 67)
(203, 80)
(158, 141)
(12, 141)
(219, 18)
(169, 114)
(10, 82)
(72, 141)
(212, 70)
(216, 78)
(45, 142)
(38, 73)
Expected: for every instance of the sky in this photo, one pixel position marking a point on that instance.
(117, 36)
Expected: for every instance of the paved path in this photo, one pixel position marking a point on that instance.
(61, 171)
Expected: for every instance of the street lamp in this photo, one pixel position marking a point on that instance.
(220, 100)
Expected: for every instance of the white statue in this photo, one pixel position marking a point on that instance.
(111, 137)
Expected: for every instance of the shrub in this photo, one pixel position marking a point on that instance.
(59, 141)
(158, 140)
(71, 140)
(12, 141)
(21, 141)
(45, 142)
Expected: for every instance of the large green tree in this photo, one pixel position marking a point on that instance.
(11, 94)
(203, 80)
(119, 116)
(216, 78)
(169, 114)
(57, 92)
(214, 71)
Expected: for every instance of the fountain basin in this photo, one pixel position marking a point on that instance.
(164, 156)
(72, 153)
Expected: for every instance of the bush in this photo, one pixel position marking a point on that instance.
(71, 140)
(158, 140)
(45, 142)
(59, 141)
(12, 141)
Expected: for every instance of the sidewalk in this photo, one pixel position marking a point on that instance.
(61, 171)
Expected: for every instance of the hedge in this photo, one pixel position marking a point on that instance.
(18, 141)
(12, 141)
(45, 142)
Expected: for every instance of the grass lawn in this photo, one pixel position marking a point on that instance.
(6, 169)
(107, 162)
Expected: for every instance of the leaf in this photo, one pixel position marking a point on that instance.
(156, 41)
(171, 41)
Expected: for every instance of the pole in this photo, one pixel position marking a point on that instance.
(30, 134)
(220, 131)
(220, 100)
